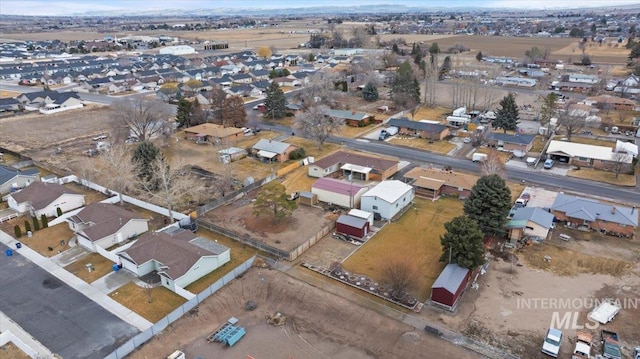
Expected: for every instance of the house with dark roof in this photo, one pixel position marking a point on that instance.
(12, 179)
(431, 131)
(432, 183)
(177, 255)
(104, 225)
(511, 142)
(40, 198)
(351, 118)
(355, 165)
(272, 151)
(529, 223)
(213, 133)
(447, 290)
(587, 213)
(9, 105)
(341, 193)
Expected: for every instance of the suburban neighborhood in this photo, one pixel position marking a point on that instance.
(351, 183)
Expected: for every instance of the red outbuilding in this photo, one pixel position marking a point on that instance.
(352, 226)
(449, 286)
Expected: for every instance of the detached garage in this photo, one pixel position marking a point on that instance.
(352, 226)
(449, 286)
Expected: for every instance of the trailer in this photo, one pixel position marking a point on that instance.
(610, 345)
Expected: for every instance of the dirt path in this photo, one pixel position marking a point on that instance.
(319, 325)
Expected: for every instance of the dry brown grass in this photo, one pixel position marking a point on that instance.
(415, 236)
(431, 113)
(42, 239)
(11, 351)
(101, 265)
(311, 148)
(298, 180)
(137, 299)
(90, 196)
(353, 132)
(8, 94)
(566, 262)
(604, 176)
(516, 189)
(442, 147)
(592, 141)
(503, 156)
(239, 254)
(538, 144)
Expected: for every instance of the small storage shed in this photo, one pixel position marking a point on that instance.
(451, 282)
(307, 198)
(362, 214)
(352, 226)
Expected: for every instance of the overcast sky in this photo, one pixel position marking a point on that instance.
(62, 7)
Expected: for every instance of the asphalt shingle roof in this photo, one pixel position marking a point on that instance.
(590, 210)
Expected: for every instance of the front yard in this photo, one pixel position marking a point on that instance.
(441, 147)
(101, 267)
(163, 301)
(604, 176)
(46, 241)
(414, 237)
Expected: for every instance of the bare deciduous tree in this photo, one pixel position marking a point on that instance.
(400, 274)
(492, 165)
(315, 125)
(170, 185)
(144, 118)
(117, 170)
(319, 89)
(570, 122)
(620, 161)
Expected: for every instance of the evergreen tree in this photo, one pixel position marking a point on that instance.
(405, 89)
(635, 51)
(272, 200)
(275, 102)
(36, 224)
(27, 226)
(370, 92)
(143, 157)
(434, 48)
(445, 68)
(507, 116)
(479, 56)
(462, 243)
(183, 114)
(44, 220)
(488, 204)
(17, 231)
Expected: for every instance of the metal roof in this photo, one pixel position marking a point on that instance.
(534, 214)
(351, 221)
(271, 146)
(451, 277)
(389, 191)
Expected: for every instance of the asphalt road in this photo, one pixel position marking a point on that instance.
(61, 318)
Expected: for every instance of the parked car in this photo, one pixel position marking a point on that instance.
(552, 341)
(548, 164)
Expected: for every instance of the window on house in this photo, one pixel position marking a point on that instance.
(397, 205)
(375, 207)
(584, 159)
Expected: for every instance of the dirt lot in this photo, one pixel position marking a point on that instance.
(318, 325)
(287, 235)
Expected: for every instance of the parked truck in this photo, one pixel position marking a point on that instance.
(610, 345)
(388, 132)
(582, 349)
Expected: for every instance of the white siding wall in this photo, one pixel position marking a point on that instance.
(332, 197)
(20, 207)
(20, 181)
(317, 172)
(66, 202)
(133, 227)
(387, 210)
(202, 267)
(537, 231)
(145, 268)
(85, 243)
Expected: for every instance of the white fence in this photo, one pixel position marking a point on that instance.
(59, 109)
(128, 347)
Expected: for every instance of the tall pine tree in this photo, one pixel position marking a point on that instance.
(462, 243)
(507, 116)
(275, 102)
(143, 157)
(183, 114)
(489, 203)
(405, 89)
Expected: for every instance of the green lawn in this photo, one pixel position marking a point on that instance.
(415, 237)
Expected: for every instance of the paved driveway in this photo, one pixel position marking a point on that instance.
(59, 317)
(557, 169)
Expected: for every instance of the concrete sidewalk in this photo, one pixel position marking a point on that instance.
(11, 331)
(78, 284)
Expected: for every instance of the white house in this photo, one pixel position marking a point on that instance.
(584, 78)
(45, 198)
(341, 193)
(179, 257)
(177, 50)
(387, 198)
(12, 179)
(104, 224)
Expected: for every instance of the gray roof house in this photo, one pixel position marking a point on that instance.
(593, 213)
(271, 150)
(12, 179)
(530, 222)
(510, 142)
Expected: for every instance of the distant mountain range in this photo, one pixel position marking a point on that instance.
(315, 10)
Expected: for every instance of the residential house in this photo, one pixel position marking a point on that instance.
(288, 81)
(584, 155)
(511, 142)
(516, 81)
(588, 213)
(231, 154)
(272, 151)
(345, 194)
(12, 179)
(354, 165)
(351, 118)
(611, 102)
(9, 105)
(584, 78)
(388, 198)
(432, 183)
(177, 255)
(580, 87)
(104, 225)
(242, 79)
(529, 223)
(213, 133)
(431, 131)
(40, 198)
(260, 75)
